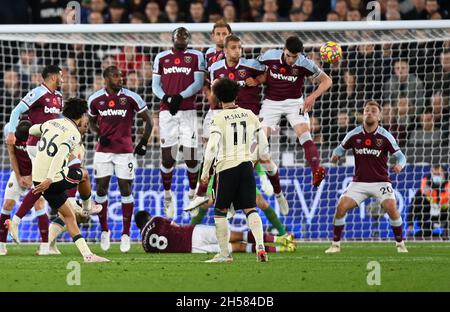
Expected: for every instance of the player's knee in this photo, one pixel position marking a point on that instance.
(304, 136)
(85, 176)
(125, 187)
(40, 204)
(261, 202)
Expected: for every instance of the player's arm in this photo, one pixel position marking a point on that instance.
(394, 149)
(14, 163)
(259, 72)
(340, 150)
(325, 83)
(211, 151)
(14, 121)
(141, 148)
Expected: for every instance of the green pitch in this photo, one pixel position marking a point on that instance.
(425, 268)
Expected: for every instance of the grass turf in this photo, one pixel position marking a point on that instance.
(425, 268)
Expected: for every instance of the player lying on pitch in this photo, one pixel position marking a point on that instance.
(159, 234)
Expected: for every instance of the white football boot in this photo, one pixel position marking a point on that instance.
(196, 203)
(334, 248)
(401, 248)
(125, 244)
(266, 186)
(105, 241)
(282, 203)
(94, 258)
(168, 206)
(219, 258)
(3, 250)
(44, 249)
(13, 227)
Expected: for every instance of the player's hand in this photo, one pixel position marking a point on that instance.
(11, 138)
(174, 104)
(43, 186)
(397, 168)
(141, 148)
(251, 82)
(25, 181)
(204, 180)
(104, 141)
(165, 98)
(335, 158)
(309, 103)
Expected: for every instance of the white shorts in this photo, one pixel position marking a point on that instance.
(204, 239)
(13, 189)
(271, 112)
(106, 164)
(32, 151)
(207, 122)
(180, 129)
(360, 191)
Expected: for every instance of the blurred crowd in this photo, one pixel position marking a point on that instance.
(200, 11)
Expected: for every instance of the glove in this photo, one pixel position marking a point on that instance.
(104, 141)
(165, 98)
(141, 148)
(174, 104)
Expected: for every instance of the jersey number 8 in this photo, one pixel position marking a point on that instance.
(159, 242)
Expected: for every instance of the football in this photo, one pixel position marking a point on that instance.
(331, 52)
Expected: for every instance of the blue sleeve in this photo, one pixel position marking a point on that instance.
(195, 86)
(156, 86)
(339, 151)
(15, 116)
(400, 158)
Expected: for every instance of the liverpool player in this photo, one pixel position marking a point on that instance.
(162, 235)
(370, 144)
(178, 75)
(286, 72)
(111, 117)
(43, 103)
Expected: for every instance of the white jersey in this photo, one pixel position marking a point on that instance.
(59, 138)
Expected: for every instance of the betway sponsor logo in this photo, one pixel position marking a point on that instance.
(113, 112)
(177, 70)
(283, 77)
(51, 110)
(367, 151)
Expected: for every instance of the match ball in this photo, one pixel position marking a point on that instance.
(331, 52)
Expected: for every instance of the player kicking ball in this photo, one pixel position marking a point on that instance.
(371, 144)
(233, 134)
(53, 177)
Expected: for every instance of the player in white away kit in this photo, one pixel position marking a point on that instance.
(370, 144)
(234, 133)
(58, 139)
(286, 73)
(111, 116)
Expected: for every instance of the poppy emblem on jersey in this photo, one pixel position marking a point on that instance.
(241, 73)
(379, 142)
(282, 70)
(188, 59)
(111, 104)
(368, 142)
(231, 76)
(54, 101)
(295, 71)
(123, 101)
(177, 61)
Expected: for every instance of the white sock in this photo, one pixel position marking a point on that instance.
(168, 193)
(2, 245)
(83, 247)
(86, 203)
(248, 248)
(54, 230)
(17, 219)
(255, 225)
(223, 235)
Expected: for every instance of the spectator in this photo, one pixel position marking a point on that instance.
(270, 17)
(253, 13)
(333, 16)
(432, 6)
(153, 13)
(436, 16)
(429, 208)
(100, 7)
(308, 9)
(439, 79)
(16, 12)
(47, 11)
(197, 12)
(117, 13)
(296, 15)
(353, 15)
(130, 60)
(11, 95)
(229, 13)
(133, 82)
(403, 82)
(107, 61)
(296, 4)
(441, 116)
(214, 17)
(172, 11)
(96, 18)
(356, 5)
(404, 119)
(389, 122)
(393, 15)
(137, 18)
(69, 87)
(137, 6)
(341, 9)
(339, 128)
(419, 11)
(27, 64)
(271, 6)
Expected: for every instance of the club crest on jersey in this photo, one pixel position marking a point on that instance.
(241, 73)
(295, 71)
(379, 142)
(123, 101)
(10, 185)
(188, 59)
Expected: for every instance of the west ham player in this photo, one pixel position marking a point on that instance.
(162, 235)
(286, 72)
(53, 177)
(220, 30)
(249, 74)
(111, 117)
(234, 132)
(43, 103)
(178, 75)
(20, 182)
(370, 144)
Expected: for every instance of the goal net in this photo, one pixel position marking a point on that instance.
(406, 69)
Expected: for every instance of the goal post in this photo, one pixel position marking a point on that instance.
(374, 54)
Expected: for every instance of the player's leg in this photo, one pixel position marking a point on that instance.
(192, 168)
(270, 213)
(203, 210)
(251, 248)
(125, 187)
(27, 204)
(85, 191)
(8, 205)
(390, 206)
(301, 126)
(266, 186)
(345, 204)
(189, 143)
(43, 224)
(103, 170)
